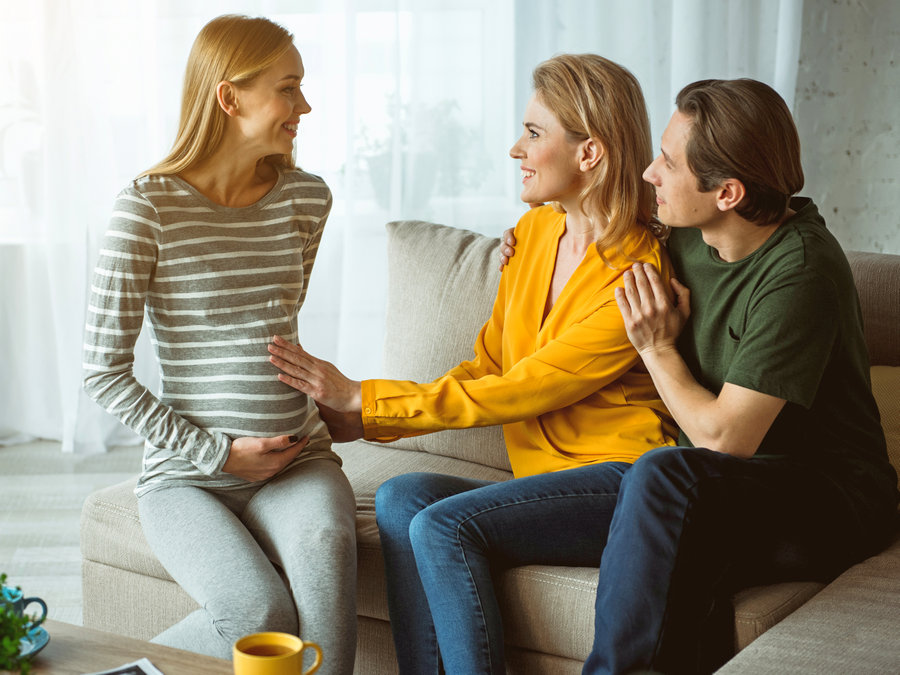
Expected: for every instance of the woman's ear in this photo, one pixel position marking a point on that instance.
(226, 95)
(729, 194)
(590, 152)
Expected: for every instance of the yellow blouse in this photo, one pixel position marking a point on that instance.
(569, 390)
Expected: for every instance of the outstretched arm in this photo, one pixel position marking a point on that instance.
(583, 359)
(737, 419)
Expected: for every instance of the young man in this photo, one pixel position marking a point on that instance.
(781, 470)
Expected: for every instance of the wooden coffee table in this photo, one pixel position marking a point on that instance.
(74, 650)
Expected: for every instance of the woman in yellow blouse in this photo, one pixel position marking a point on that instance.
(553, 364)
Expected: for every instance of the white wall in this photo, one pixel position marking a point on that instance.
(848, 114)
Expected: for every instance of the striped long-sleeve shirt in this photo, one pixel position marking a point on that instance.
(216, 283)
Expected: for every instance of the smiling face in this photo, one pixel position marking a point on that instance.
(549, 158)
(269, 108)
(678, 196)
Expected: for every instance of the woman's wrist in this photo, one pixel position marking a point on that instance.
(356, 398)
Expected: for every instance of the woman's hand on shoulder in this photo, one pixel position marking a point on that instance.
(508, 241)
(507, 247)
(256, 459)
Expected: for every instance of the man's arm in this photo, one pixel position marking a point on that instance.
(734, 422)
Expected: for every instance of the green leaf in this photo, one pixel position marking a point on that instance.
(12, 629)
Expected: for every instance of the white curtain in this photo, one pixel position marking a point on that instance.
(415, 105)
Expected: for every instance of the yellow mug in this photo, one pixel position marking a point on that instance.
(273, 654)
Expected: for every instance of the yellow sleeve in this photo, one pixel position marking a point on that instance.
(585, 357)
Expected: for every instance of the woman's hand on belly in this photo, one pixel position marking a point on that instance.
(256, 459)
(315, 377)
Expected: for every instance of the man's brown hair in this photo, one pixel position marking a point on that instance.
(743, 129)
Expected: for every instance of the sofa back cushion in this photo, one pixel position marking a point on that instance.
(877, 277)
(886, 388)
(441, 286)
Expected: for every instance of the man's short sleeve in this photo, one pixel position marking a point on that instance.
(787, 337)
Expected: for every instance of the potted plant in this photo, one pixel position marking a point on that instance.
(429, 148)
(13, 629)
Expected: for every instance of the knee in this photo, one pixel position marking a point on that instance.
(421, 532)
(242, 614)
(669, 467)
(436, 527)
(668, 461)
(395, 503)
(327, 537)
(675, 474)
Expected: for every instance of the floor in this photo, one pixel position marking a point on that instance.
(41, 493)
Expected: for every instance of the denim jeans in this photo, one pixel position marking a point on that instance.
(693, 526)
(678, 533)
(443, 536)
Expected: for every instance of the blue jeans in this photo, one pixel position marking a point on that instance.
(678, 533)
(443, 536)
(693, 526)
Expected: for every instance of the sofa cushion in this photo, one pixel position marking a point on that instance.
(367, 466)
(111, 531)
(441, 286)
(759, 608)
(545, 608)
(886, 388)
(877, 277)
(849, 627)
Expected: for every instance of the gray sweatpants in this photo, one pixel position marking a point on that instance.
(226, 547)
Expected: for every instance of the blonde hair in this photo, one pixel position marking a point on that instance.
(595, 98)
(233, 48)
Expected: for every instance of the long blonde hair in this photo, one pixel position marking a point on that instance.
(233, 48)
(595, 98)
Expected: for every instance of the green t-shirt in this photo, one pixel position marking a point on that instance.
(786, 321)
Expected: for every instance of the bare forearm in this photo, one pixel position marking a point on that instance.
(734, 422)
(692, 405)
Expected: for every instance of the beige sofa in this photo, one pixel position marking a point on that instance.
(441, 286)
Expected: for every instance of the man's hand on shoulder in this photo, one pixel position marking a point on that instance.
(654, 313)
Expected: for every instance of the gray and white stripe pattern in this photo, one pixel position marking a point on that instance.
(216, 283)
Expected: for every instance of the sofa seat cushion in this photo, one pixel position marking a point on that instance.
(546, 608)
(111, 531)
(368, 465)
(851, 626)
(759, 608)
